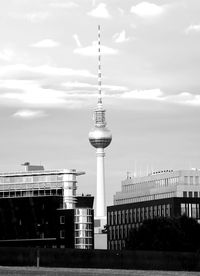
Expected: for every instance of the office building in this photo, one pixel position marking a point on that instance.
(163, 193)
(40, 208)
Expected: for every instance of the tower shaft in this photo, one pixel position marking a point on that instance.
(100, 193)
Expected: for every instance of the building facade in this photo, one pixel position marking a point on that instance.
(160, 194)
(40, 208)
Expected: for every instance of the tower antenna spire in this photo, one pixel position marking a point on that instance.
(99, 66)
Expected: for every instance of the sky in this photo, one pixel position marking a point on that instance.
(150, 86)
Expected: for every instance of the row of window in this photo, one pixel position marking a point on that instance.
(30, 193)
(150, 184)
(82, 219)
(190, 210)
(135, 215)
(134, 199)
(83, 212)
(192, 180)
(83, 233)
(83, 226)
(191, 194)
(116, 245)
(120, 232)
(31, 179)
(83, 241)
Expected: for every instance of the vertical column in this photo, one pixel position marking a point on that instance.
(69, 191)
(100, 198)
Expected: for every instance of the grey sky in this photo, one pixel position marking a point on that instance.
(48, 68)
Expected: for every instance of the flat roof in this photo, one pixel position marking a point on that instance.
(42, 172)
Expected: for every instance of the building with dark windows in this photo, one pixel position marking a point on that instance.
(164, 193)
(40, 208)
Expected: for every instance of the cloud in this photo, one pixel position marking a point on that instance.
(151, 94)
(145, 9)
(29, 114)
(64, 5)
(121, 37)
(76, 38)
(46, 43)
(192, 29)
(185, 98)
(20, 70)
(100, 11)
(92, 50)
(121, 11)
(107, 88)
(6, 55)
(37, 17)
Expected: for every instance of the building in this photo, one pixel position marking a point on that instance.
(164, 193)
(100, 138)
(40, 208)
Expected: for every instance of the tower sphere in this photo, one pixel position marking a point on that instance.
(100, 137)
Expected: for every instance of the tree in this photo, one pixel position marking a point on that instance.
(166, 234)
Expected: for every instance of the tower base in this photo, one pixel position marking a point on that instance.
(100, 233)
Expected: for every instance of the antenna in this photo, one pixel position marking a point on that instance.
(99, 65)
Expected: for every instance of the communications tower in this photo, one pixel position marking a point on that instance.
(100, 137)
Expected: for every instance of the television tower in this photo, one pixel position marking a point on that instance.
(100, 137)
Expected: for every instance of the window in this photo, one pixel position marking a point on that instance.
(127, 216)
(131, 215)
(183, 209)
(154, 211)
(190, 194)
(119, 217)
(62, 234)
(194, 211)
(195, 194)
(62, 220)
(184, 194)
(167, 210)
(108, 218)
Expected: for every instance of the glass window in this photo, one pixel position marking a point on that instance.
(191, 179)
(108, 218)
(196, 180)
(183, 209)
(151, 212)
(62, 220)
(119, 217)
(131, 215)
(155, 211)
(115, 217)
(190, 194)
(184, 194)
(62, 234)
(167, 210)
(123, 217)
(198, 211)
(127, 218)
(195, 194)
(111, 218)
(134, 215)
(194, 211)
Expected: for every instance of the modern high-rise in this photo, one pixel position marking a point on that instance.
(164, 193)
(40, 207)
(100, 138)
